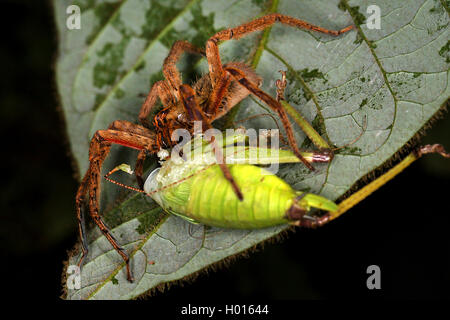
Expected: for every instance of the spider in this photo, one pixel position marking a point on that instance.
(212, 96)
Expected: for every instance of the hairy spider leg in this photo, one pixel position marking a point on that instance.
(91, 183)
(127, 126)
(81, 216)
(212, 50)
(170, 63)
(217, 96)
(163, 89)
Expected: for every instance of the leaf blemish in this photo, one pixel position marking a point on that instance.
(119, 93)
(444, 51)
(364, 102)
(106, 72)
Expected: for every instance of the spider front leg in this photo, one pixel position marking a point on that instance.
(91, 183)
(161, 90)
(170, 68)
(167, 90)
(217, 70)
(212, 50)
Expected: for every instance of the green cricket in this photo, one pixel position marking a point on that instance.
(201, 194)
(195, 189)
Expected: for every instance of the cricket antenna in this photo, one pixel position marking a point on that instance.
(126, 168)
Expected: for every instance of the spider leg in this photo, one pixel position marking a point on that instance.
(212, 51)
(217, 95)
(162, 90)
(195, 113)
(274, 105)
(139, 168)
(170, 68)
(123, 125)
(167, 90)
(79, 201)
(91, 183)
(127, 126)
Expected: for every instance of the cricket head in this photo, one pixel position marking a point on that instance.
(303, 204)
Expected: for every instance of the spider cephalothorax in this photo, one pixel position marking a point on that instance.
(173, 116)
(210, 98)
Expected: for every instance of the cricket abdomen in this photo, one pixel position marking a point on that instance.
(212, 200)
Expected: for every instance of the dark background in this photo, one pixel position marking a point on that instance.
(403, 228)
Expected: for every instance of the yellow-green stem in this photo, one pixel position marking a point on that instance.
(373, 186)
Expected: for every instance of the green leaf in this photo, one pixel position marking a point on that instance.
(396, 77)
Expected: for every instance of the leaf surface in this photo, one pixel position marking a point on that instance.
(395, 77)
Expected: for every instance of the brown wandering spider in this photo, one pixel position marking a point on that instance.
(208, 99)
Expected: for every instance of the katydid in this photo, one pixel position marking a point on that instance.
(197, 190)
(268, 200)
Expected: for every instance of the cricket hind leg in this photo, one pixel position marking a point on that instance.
(307, 128)
(91, 183)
